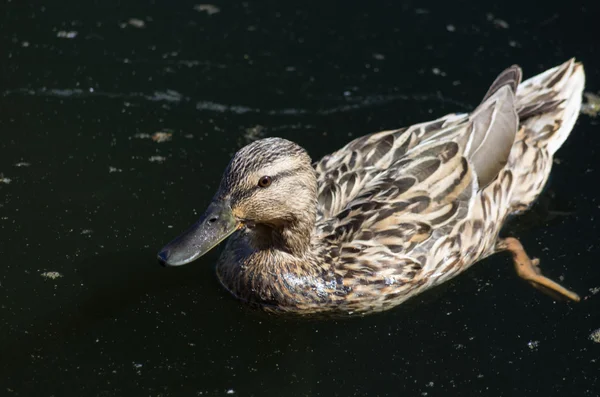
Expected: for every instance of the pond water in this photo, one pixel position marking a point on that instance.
(87, 197)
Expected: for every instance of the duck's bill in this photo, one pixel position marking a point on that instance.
(214, 226)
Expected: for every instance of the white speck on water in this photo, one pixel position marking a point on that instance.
(230, 391)
(378, 56)
(533, 344)
(497, 21)
(136, 23)
(210, 9)
(438, 72)
(64, 34)
(254, 133)
(114, 169)
(501, 23)
(157, 159)
(162, 136)
(451, 28)
(595, 336)
(167, 96)
(51, 275)
(22, 164)
(592, 106)
(87, 231)
(5, 180)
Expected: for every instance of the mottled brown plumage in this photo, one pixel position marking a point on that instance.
(393, 213)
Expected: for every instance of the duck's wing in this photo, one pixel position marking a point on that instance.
(426, 190)
(344, 174)
(484, 137)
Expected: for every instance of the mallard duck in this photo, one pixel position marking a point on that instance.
(390, 214)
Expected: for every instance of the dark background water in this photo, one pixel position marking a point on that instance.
(91, 205)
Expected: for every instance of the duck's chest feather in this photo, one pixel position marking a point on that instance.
(277, 280)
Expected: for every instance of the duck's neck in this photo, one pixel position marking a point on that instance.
(277, 267)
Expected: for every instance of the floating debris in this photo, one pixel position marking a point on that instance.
(114, 169)
(594, 290)
(51, 275)
(22, 164)
(533, 344)
(451, 28)
(379, 57)
(500, 23)
(63, 34)
(438, 72)
(136, 23)
(254, 133)
(87, 231)
(4, 180)
(157, 159)
(168, 96)
(592, 106)
(595, 336)
(210, 9)
(161, 136)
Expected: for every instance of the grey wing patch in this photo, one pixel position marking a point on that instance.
(493, 128)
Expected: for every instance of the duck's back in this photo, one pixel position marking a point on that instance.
(410, 208)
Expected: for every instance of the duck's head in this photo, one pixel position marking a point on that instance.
(268, 191)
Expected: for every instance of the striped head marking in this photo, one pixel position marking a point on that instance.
(270, 181)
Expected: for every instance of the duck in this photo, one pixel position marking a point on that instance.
(391, 214)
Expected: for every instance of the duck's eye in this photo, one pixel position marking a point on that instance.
(264, 181)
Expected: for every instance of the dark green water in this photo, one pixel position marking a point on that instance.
(319, 73)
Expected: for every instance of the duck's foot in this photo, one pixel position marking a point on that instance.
(528, 269)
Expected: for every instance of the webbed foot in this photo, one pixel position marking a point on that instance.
(528, 269)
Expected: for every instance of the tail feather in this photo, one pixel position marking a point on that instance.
(548, 104)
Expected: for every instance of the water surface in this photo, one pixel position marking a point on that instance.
(91, 197)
